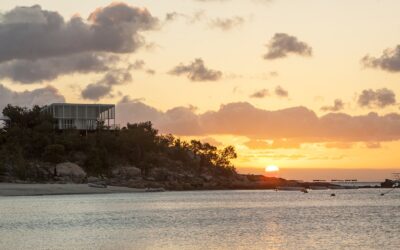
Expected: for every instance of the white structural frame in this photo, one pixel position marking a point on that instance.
(81, 116)
(3, 121)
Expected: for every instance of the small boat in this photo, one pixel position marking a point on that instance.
(97, 185)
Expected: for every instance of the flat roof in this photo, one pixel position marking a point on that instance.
(81, 104)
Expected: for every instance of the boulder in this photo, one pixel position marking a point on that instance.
(127, 172)
(132, 172)
(387, 183)
(71, 172)
(42, 171)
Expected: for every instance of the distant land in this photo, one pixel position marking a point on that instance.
(309, 174)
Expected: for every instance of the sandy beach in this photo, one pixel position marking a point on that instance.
(15, 189)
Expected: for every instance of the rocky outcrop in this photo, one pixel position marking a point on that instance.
(173, 178)
(70, 172)
(387, 183)
(127, 172)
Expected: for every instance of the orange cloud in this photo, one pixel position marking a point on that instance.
(275, 144)
(297, 124)
(340, 145)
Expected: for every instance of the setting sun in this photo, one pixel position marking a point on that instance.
(272, 168)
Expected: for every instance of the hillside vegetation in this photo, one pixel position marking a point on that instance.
(136, 155)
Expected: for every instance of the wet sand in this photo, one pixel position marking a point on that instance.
(15, 189)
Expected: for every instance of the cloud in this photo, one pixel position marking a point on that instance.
(150, 71)
(279, 91)
(259, 123)
(337, 106)
(221, 1)
(210, 1)
(196, 71)
(339, 145)
(103, 87)
(33, 38)
(379, 98)
(275, 144)
(388, 61)
(134, 110)
(140, 65)
(373, 145)
(178, 120)
(190, 19)
(42, 34)
(172, 16)
(283, 44)
(33, 71)
(273, 74)
(226, 24)
(212, 141)
(260, 93)
(96, 91)
(41, 96)
(296, 124)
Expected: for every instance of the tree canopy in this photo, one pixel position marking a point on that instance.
(31, 137)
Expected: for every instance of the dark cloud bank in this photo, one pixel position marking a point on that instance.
(39, 45)
(31, 33)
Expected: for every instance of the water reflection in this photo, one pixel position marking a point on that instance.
(202, 220)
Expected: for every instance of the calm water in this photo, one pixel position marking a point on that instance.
(354, 219)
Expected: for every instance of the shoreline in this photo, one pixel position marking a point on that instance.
(19, 189)
(40, 189)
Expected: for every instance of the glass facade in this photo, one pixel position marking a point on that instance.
(82, 116)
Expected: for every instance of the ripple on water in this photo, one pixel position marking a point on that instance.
(360, 219)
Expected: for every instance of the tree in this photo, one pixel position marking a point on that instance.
(54, 153)
(31, 137)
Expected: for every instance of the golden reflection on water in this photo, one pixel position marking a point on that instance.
(203, 220)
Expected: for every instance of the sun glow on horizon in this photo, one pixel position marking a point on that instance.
(272, 168)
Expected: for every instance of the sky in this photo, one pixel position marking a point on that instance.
(305, 84)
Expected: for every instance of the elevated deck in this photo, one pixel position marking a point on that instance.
(82, 116)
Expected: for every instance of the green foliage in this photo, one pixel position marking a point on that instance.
(31, 137)
(54, 153)
(14, 159)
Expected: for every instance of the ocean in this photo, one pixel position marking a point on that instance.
(353, 219)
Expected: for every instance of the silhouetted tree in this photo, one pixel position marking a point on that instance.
(31, 137)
